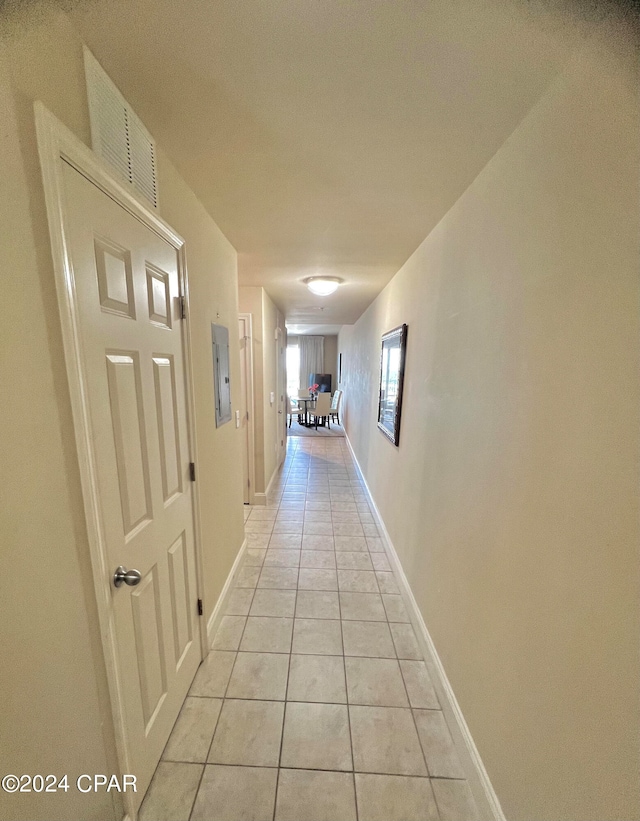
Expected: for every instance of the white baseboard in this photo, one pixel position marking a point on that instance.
(261, 498)
(477, 776)
(274, 475)
(221, 604)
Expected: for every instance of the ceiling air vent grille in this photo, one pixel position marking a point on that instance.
(117, 133)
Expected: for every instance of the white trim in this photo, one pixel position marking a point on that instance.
(477, 776)
(261, 498)
(217, 613)
(281, 393)
(274, 476)
(193, 440)
(248, 375)
(56, 144)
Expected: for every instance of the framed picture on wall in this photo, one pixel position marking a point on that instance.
(394, 345)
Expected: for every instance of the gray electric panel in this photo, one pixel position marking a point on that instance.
(221, 380)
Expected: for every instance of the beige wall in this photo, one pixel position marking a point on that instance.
(512, 498)
(53, 679)
(266, 320)
(213, 286)
(55, 716)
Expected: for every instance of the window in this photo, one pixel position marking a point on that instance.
(293, 370)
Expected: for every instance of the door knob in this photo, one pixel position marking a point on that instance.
(130, 577)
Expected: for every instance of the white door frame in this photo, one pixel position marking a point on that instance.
(248, 374)
(281, 393)
(58, 145)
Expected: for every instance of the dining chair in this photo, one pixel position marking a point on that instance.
(293, 409)
(322, 408)
(304, 404)
(336, 402)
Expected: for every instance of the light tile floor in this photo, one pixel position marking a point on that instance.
(315, 703)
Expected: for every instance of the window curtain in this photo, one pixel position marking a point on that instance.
(311, 358)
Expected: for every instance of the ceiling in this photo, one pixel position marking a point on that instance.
(327, 136)
(296, 329)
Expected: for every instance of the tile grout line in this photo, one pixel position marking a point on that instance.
(402, 675)
(224, 699)
(313, 458)
(286, 692)
(204, 768)
(346, 688)
(321, 769)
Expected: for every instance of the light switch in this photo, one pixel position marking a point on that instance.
(237, 419)
(272, 397)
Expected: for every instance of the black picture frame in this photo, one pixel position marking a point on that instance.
(392, 364)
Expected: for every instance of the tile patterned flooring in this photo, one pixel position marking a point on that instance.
(315, 703)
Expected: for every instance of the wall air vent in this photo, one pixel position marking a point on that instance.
(117, 133)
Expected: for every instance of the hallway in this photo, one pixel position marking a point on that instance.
(272, 727)
(428, 611)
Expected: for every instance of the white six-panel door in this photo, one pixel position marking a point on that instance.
(127, 287)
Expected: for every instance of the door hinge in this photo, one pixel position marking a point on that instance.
(192, 471)
(200, 607)
(183, 307)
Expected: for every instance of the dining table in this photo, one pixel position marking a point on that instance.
(307, 403)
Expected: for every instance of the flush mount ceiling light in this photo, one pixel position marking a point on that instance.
(322, 286)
